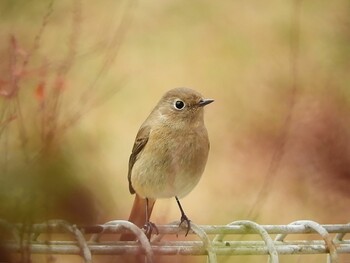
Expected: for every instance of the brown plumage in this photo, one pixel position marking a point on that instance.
(169, 154)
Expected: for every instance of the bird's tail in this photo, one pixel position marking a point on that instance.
(141, 209)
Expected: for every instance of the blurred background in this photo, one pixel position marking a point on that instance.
(77, 79)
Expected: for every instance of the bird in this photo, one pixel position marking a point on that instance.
(169, 155)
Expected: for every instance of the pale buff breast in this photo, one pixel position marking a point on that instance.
(170, 167)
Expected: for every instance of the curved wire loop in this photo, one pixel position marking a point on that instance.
(273, 254)
(78, 235)
(201, 234)
(141, 236)
(333, 255)
(206, 242)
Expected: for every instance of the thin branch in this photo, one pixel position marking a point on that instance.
(38, 36)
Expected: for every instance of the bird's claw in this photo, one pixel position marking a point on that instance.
(184, 218)
(149, 227)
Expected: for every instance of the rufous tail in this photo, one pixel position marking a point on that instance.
(138, 215)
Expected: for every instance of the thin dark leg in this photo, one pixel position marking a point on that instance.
(147, 215)
(184, 218)
(149, 226)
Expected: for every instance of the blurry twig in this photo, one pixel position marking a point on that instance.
(4, 121)
(87, 102)
(15, 74)
(113, 48)
(18, 61)
(114, 45)
(283, 138)
(53, 100)
(38, 36)
(51, 78)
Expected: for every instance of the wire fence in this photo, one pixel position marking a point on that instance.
(211, 240)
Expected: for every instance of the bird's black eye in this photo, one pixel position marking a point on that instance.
(179, 104)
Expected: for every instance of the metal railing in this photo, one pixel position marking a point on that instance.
(211, 240)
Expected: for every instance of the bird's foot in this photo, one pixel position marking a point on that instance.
(149, 227)
(184, 218)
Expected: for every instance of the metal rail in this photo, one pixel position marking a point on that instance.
(210, 240)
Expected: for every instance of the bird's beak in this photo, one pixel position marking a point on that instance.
(204, 102)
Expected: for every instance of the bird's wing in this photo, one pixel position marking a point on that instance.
(140, 143)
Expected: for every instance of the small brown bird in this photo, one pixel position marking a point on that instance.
(169, 155)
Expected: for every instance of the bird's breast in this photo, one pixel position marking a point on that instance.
(171, 163)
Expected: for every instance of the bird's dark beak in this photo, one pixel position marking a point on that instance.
(204, 102)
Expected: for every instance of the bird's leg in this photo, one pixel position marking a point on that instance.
(149, 226)
(184, 218)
